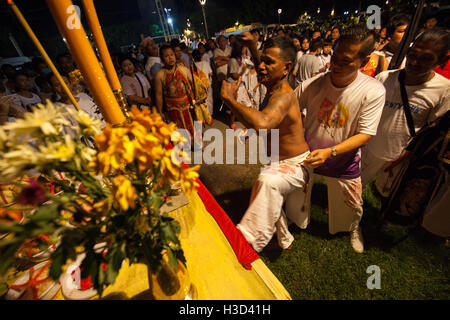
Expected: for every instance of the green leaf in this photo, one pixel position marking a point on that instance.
(168, 233)
(10, 227)
(172, 259)
(3, 288)
(45, 213)
(7, 257)
(59, 259)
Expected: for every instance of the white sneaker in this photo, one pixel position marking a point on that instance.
(356, 240)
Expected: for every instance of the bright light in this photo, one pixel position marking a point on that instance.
(202, 2)
(318, 10)
(356, 11)
(279, 11)
(332, 12)
(170, 20)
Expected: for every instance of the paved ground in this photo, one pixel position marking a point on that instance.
(230, 184)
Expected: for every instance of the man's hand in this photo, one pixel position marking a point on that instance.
(248, 40)
(317, 157)
(229, 90)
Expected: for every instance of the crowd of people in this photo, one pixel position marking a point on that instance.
(338, 107)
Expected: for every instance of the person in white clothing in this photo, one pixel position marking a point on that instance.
(325, 56)
(23, 89)
(428, 96)
(153, 63)
(265, 216)
(206, 68)
(221, 57)
(135, 85)
(304, 49)
(342, 109)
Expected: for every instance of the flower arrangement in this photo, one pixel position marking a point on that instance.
(110, 195)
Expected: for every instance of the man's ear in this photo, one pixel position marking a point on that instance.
(288, 67)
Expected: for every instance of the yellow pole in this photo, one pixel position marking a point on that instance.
(69, 24)
(100, 43)
(44, 54)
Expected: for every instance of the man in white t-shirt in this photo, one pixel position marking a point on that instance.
(309, 65)
(221, 57)
(428, 96)
(153, 63)
(342, 108)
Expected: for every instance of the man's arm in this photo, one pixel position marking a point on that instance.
(317, 157)
(221, 60)
(250, 42)
(269, 118)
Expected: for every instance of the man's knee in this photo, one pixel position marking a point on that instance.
(271, 181)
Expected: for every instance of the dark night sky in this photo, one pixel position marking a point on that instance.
(112, 13)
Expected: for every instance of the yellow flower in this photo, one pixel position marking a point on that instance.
(124, 192)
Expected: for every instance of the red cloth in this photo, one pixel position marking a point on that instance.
(445, 72)
(244, 252)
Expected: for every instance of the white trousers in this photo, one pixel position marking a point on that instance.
(344, 204)
(372, 167)
(265, 216)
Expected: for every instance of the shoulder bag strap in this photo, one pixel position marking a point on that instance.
(406, 107)
(140, 83)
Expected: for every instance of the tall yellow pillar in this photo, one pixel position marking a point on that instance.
(69, 24)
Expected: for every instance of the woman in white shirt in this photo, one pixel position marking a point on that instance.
(23, 88)
(135, 85)
(206, 68)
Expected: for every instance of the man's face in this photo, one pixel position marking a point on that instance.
(397, 36)
(296, 43)
(58, 87)
(421, 58)
(327, 49)
(255, 35)
(316, 35)
(152, 48)
(169, 58)
(211, 45)
(345, 61)
(23, 83)
(272, 67)
(431, 23)
(178, 52)
(222, 43)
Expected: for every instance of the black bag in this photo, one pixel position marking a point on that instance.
(425, 170)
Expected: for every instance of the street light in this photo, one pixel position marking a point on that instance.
(279, 13)
(202, 3)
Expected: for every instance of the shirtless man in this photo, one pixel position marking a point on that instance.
(280, 111)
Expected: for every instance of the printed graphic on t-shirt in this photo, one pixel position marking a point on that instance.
(332, 115)
(398, 106)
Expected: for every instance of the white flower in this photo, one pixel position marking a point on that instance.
(88, 125)
(47, 120)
